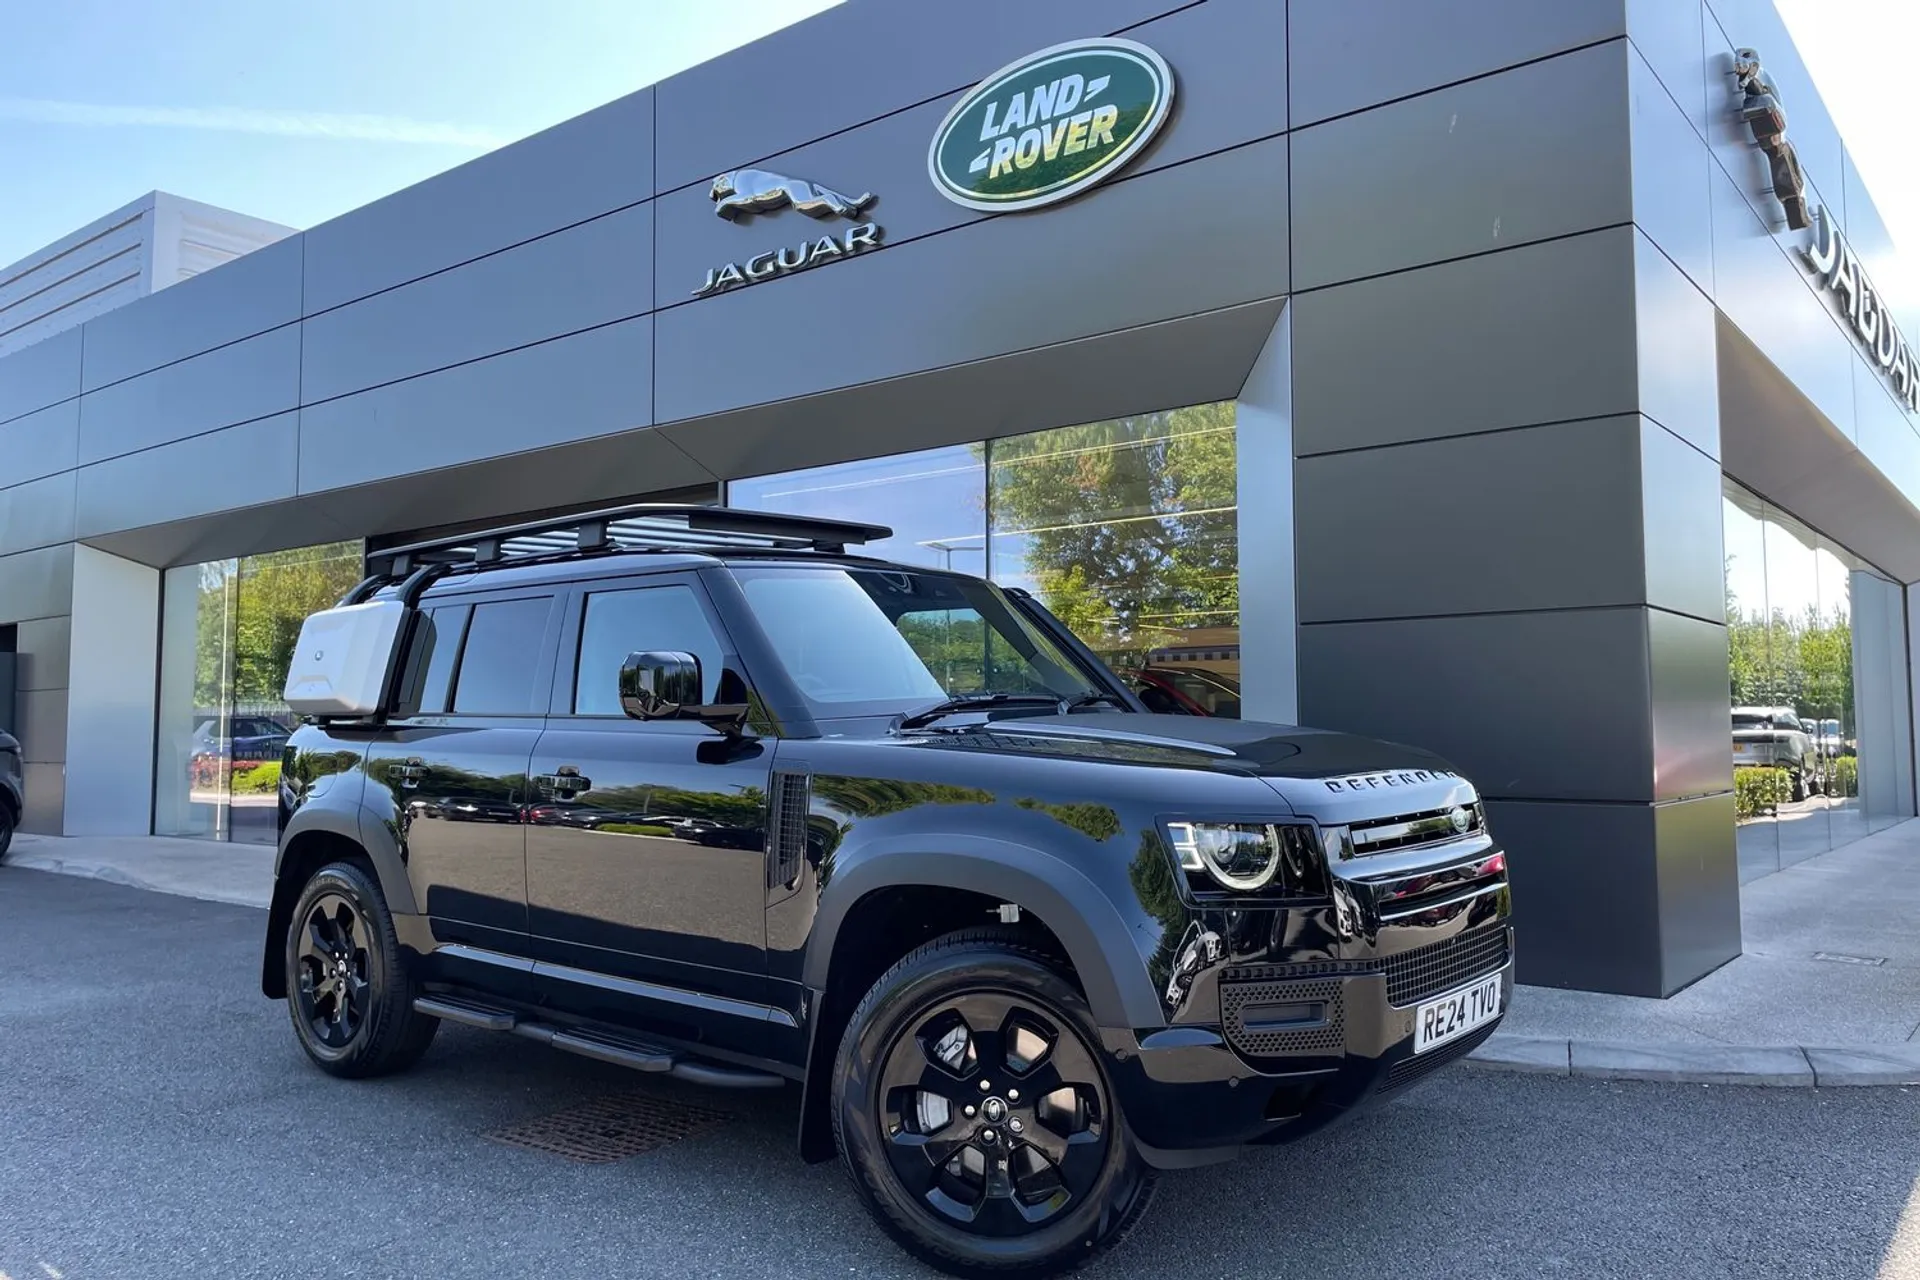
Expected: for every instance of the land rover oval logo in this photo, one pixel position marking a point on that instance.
(1051, 125)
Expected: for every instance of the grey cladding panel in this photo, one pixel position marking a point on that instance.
(40, 375)
(1530, 705)
(1529, 154)
(40, 443)
(853, 63)
(1765, 292)
(46, 809)
(1670, 34)
(1691, 706)
(43, 725)
(1586, 874)
(589, 275)
(36, 514)
(1530, 519)
(46, 646)
(1348, 54)
(1671, 177)
(1128, 253)
(236, 300)
(1679, 371)
(1680, 501)
(1699, 882)
(36, 584)
(240, 466)
(580, 169)
(1234, 103)
(593, 383)
(237, 383)
(1474, 345)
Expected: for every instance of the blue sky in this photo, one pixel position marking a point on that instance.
(299, 111)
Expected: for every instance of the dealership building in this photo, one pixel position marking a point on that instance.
(1508, 378)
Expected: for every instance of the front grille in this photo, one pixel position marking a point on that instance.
(1241, 1004)
(1441, 966)
(1407, 1070)
(1412, 830)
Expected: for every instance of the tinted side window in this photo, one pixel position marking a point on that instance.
(497, 664)
(440, 634)
(622, 622)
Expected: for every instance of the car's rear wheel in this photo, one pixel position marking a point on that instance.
(348, 989)
(972, 1109)
(1799, 785)
(6, 828)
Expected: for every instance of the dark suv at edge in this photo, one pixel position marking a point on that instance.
(698, 792)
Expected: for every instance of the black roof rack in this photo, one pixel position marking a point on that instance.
(643, 526)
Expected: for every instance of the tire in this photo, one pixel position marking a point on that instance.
(340, 944)
(6, 828)
(1799, 786)
(921, 1176)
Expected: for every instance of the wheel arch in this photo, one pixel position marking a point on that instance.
(1061, 907)
(313, 838)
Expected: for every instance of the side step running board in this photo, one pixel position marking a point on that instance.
(589, 1043)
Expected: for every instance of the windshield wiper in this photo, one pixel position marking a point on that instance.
(1093, 697)
(977, 702)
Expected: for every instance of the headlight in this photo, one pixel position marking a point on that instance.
(1241, 856)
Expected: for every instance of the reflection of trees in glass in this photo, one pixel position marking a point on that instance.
(1129, 524)
(1803, 661)
(250, 615)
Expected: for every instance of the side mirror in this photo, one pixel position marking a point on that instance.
(660, 685)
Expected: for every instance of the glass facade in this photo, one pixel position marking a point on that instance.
(228, 628)
(1126, 529)
(1817, 670)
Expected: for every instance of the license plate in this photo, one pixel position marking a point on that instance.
(1452, 1016)
(1740, 748)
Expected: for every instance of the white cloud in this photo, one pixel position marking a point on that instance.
(282, 124)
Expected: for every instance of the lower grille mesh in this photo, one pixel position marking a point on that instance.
(1441, 966)
(1240, 999)
(1407, 1070)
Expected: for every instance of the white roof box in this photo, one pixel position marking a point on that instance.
(340, 666)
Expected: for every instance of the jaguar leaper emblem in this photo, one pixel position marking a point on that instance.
(1762, 113)
(748, 191)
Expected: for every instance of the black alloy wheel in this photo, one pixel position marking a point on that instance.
(976, 1117)
(349, 992)
(334, 985)
(995, 1113)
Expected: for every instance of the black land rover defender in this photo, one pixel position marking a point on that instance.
(698, 792)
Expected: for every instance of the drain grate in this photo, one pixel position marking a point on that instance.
(1841, 957)
(611, 1128)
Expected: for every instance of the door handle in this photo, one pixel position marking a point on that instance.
(566, 781)
(410, 773)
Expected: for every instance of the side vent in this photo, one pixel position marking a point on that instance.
(787, 829)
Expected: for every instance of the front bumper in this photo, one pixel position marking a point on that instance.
(1195, 1094)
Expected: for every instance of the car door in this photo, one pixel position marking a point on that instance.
(646, 863)
(450, 773)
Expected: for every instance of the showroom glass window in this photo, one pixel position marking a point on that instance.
(228, 628)
(1126, 529)
(1821, 741)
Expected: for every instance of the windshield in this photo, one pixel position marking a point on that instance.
(1752, 722)
(878, 641)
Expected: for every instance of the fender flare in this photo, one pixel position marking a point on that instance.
(1099, 943)
(346, 823)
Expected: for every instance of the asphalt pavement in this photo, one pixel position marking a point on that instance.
(156, 1119)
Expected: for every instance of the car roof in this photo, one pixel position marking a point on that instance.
(633, 562)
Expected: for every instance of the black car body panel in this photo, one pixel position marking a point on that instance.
(706, 888)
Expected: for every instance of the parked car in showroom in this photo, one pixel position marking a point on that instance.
(13, 791)
(1773, 737)
(1188, 691)
(1020, 943)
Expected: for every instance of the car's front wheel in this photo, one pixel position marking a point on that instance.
(348, 989)
(972, 1109)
